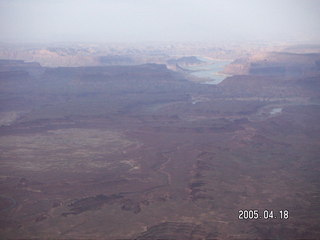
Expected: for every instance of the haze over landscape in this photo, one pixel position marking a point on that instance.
(162, 20)
(148, 120)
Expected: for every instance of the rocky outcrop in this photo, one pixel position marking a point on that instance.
(276, 64)
(89, 204)
(19, 68)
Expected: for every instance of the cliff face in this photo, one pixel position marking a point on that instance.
(276, 64)
(238, 67)
(16, 68)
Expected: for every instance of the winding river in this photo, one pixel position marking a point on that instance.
(209, 70)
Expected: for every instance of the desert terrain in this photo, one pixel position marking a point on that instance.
(128, 143)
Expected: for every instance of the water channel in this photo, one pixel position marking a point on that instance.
(210, 70)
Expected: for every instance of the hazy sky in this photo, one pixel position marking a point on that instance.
(159, 20)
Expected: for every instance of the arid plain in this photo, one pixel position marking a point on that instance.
(139, 148)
